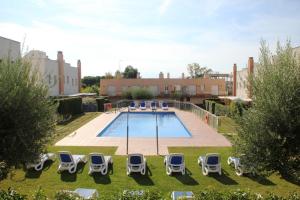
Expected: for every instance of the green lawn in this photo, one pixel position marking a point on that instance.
(227, 127)
(117, 180)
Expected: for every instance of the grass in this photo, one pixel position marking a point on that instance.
(227, 127)
(76, 122)
(156, 178)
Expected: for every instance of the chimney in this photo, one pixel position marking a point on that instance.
(234, 79)
(250, 73)
(161, 75)
(182, 75)
(61, 74)
(168, 75)
(79, 74)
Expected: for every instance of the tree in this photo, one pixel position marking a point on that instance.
(130, 72)
(91, 89)
(196, 71)
(90, 81)
(269, 131)
(27, 115)
(108, 75)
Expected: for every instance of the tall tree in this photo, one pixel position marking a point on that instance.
(90, 81)
(27, 116)
(196, 71)
(270, 130)
(130, 72)
(108, 75)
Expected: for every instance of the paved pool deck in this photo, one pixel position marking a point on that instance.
(202, 135)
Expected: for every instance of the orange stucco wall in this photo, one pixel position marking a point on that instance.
(203, 85)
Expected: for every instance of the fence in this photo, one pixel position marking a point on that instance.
(211, 119)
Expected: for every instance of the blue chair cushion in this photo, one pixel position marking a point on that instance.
(65, 158)
(132, 104)
(213, 160)
(97, 160)
(143, 104)
(164, 104)
(153, 104)
(136, 160)
(176, 160)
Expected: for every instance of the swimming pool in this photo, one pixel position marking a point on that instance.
(143, 124)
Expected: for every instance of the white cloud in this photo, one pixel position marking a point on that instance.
(164, 6)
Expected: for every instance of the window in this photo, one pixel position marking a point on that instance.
(67, 79)
(72, 82)
(49, 79)
(202, 87)
(75, 81)
(55, 79)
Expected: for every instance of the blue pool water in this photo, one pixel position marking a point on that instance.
(144, 125)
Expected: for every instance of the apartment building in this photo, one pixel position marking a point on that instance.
(202, 87)
(9, 49)
(61, 77)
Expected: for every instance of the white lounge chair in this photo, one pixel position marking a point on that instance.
(211, 162)
(132, 106)
(174, 163)
(136, 163)
(164, 106)
(143, 105)
(239, 168)
(85, 193)
(69, 162)
(99, 163)
(39, 164)
(153, 105)
(177, 195)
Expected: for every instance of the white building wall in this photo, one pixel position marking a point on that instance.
(48, 72)
(9, 48)
(71, 76)
(241, 83)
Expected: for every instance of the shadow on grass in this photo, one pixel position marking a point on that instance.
(185, 179)
(103, 179)
(289, 179)
(31, 173)
(143, 179)
(224, 178)
(260, 179)
(67, 177)
(71, 119)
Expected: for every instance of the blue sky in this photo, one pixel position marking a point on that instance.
(151, 35)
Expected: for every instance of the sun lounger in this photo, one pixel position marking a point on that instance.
(164, 106)
(69, 162)
(210, 163)
(136, 163)
(39, 164)
(176, 195)
(143, 105)
(132, 106)
(85, 193)
(174, 163)
(239, 168)
(99, 163)
(153, 105)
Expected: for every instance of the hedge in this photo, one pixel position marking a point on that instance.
(100, 103)
(216, 108)
(70, 106)
(204, 194)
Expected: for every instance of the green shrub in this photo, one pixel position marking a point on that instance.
(11, 194)
(66, 195)
(69, 106)
(39, 195)
(236, 108)
(100, 103)
(147, 195)
(3, 170)
(216, 108)
(137, 93)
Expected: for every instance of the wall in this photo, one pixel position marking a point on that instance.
(202, 86)
(71, 79)
(49, 73)
(9, 48)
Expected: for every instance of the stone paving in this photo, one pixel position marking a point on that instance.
(202, 135)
